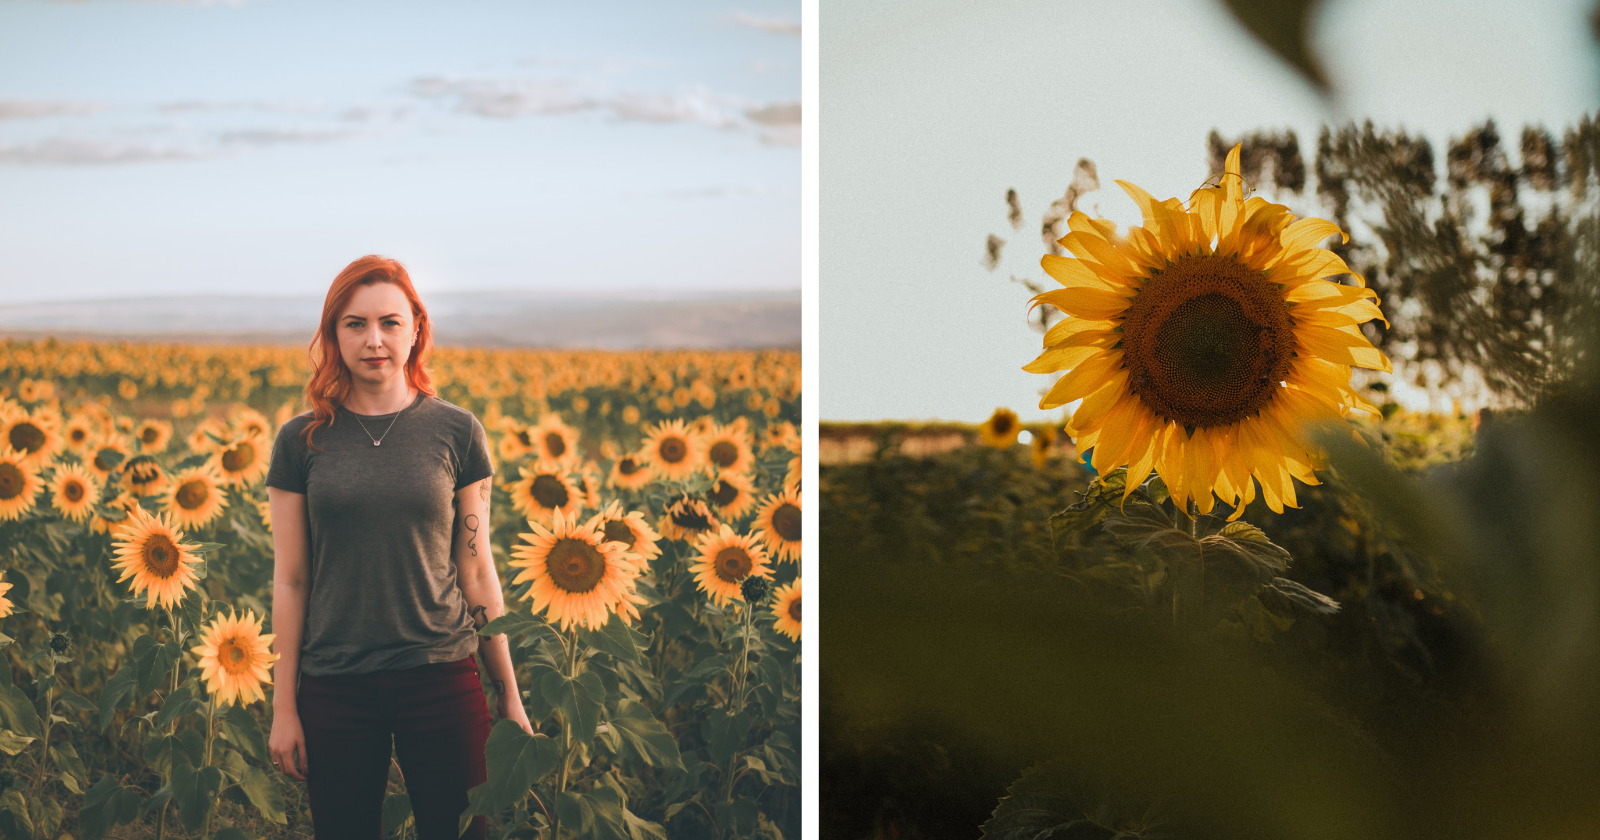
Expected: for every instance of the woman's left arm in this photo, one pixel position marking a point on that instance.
(480, 583)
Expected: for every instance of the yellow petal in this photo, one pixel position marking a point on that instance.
(1082, 380)
(1070, 272)
(1085, 302)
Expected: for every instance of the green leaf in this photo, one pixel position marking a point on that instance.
(516, 762)
(642, 829)
(192, 609)
(231, 833)
(206, 548)
(177, 704)
(11, 743)
(725, 734)
(263, 793)
(1057, 802)
(17, 712)
(687, 782)
(645, 735)
(233, 765)
(153, 660)
(196, 791)
(595, 816)
(119, 691)
(240, 727)
(396, 812)
(580, 701)
(740, 818)
(46, 815)
(14, 819)
(517, 623)
(5, 640)
(105, 806)
(65, 757)
(77, 701)
(1301, 596)
(616, 638)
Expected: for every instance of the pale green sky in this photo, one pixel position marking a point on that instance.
(930, 111)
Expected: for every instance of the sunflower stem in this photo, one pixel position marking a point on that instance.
(211, 716)
(566, 737)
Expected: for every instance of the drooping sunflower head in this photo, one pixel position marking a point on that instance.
(19, 483)
(234, 657)
(1201, 342)
(543, 490)
(152, 552)
(242, 460)
(1000, 430)
(732, 495)
(194, 496)
(630, 529)
(786, 610)
(143, 476)
(74, 492)
(778, 524)
(578, 576)
(107, 452)
(686, 519)
(672, 451)
(725, 560)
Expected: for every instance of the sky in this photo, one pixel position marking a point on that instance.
(164, 147)
(930, 111)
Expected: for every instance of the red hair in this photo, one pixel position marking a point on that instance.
(330, 379)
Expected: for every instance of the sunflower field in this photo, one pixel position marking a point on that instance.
(135, 607)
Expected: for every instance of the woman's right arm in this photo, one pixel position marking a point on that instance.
(290, 590)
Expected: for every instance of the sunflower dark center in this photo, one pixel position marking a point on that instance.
(1001, 424)
(11, 481)
(555, 444)
(618, 531)
(723, 494)
(102, 461)
(786, 521)
(794, 609)
(1207, 341)
(673, 449)
(192, 494)
(724, 454)
(150, 434)
(26, 437)
(689, 518)
(732, 564)
(627, 466)
(523, 437)
(549, 491)
(73, 490)
(232, 657)
(574, 565)
(160, 556)
(78, 435)
(239, 458)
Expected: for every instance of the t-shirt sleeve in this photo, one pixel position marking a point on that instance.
(287, 468)
(475, 464)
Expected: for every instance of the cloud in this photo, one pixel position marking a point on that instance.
(766, 24)
(778, 114)
(281, 136)
(28, 109)
(60, 151)
(697, 106)
(507, 99)
(204, 105)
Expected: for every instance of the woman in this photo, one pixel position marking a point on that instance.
(380, 512)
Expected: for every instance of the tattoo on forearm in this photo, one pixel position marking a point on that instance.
(471, 524)
(499, 687)
(480, 616)
(483, 490)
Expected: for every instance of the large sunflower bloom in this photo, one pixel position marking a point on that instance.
(687, 518)
(671, 450)
(725, 560)
(555, 443)
(1201, 343)
(74, 491)
(33, 436)
(19, 483)
(151, 552)
(543, 491)
(6, 607)
(194, 496)
(578, 576)
(786, 610)
(234, 656)
(630, 473)
(778, 525)
(728, 449)
(732, 495)
(243, 460)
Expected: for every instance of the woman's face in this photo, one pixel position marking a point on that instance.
(376, 333)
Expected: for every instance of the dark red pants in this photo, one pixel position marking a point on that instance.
(438, 721)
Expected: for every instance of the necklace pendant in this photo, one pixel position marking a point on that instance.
(377, 443)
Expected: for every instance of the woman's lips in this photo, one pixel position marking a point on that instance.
(374, 362)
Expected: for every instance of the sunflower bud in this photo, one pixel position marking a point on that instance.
(59, 642)
(755, 589)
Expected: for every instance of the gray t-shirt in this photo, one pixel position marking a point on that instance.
(383, 594)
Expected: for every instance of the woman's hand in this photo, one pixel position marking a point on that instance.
(509, 706)
(288, 742)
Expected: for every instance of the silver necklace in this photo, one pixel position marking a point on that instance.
(376, 440)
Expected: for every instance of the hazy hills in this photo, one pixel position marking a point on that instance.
(484, 319)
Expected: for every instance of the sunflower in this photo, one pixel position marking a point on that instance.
(19, 483)
(194, 497)
(578, 576)
(106, 453)
(6, 607)
(151, 552)
(727, 449)
(78, 434)
(1043, 446)
(725, 560)
(517, 440)
(732, 495)
(1202, 342)
(1000, 430)
(791, 478)
(778, 523)
(671, 451)
(245, 421)
(243, 460)
(543, 491)
(233, 657)
(630, 473)
(142, 475)
(74, 491)
(555, 442)
(153, 435)
(630, 529)
(781, 435)
(686, 519)
(786, 610)
(32, 436)
(207, 436)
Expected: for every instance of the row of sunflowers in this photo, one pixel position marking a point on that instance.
(646, 525)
